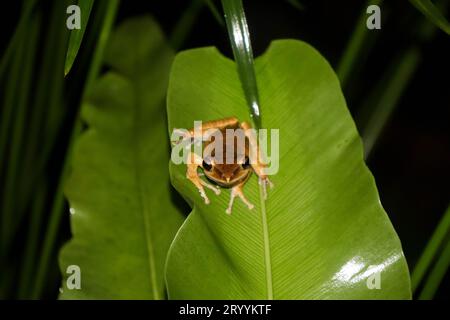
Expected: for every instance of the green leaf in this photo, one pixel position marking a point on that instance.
(104, 23)
(123, 218)
(76, 36)
(432, 13)
(328, 232)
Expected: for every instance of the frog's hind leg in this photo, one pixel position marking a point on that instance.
(206, 130)
(218, 124)
(237, 191)
(192, 175)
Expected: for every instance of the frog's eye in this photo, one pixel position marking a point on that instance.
(246, 164)
(206, 166)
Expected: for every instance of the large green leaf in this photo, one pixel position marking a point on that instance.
(123, 218)
(327, 231)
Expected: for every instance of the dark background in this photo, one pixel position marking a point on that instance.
(411, 161)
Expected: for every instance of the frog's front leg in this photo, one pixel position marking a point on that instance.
(257, 166)
(237, 191)
(192, 174)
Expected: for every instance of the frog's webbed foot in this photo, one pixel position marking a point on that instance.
(193, 176)
(237, 191)
(210, 187)
(200, 184)
(195, 179)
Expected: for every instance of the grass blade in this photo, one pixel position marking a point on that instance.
(20, 99)
(21, 26)
(58, 204)
(76, 36)
(215, 12)
(296, 4)
(432, 13)
(11, 53)
(185, 24)
(11, 112)
(436, 241)
(243, 54)
(390, 88)
(31, 248)
(46, 110)
(387, 94)
(436, 275)
(356, 44)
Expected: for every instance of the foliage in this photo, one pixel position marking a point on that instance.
(327, 230)
(123, 219)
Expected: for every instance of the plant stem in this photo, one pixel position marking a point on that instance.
(58, 204)
(243, 54)
(441, 232)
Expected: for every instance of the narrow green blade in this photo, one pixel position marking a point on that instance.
(243, 54)
(76, 35)
(432, 13)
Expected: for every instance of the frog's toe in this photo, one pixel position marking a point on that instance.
(204, 196)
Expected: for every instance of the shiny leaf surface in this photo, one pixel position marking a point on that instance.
(329, 237)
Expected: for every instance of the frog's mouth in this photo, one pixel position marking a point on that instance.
(242, 177)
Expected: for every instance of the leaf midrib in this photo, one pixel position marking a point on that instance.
(144, 209)
(267, 257)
